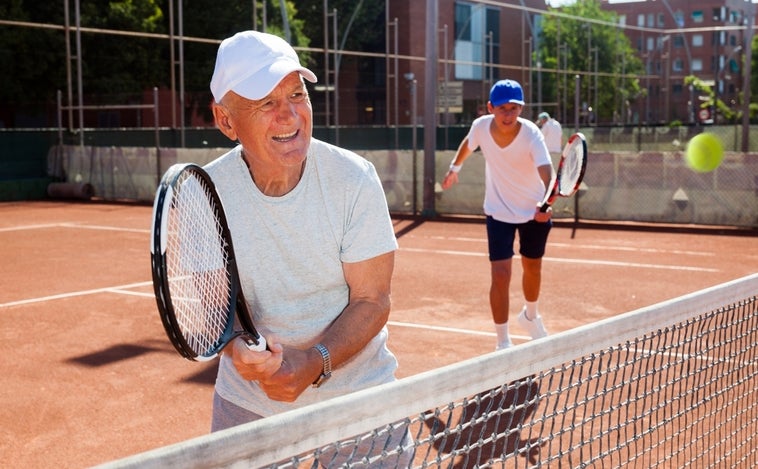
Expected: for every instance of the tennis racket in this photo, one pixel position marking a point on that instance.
(195, 276)
(570, 170)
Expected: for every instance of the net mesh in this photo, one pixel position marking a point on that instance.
(670, 385)
(196, 257)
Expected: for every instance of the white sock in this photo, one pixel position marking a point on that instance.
(531, 310)
(502, 333)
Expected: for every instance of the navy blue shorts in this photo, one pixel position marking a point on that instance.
(532, 238)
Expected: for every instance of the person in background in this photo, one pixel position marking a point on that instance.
(517, 177)
(314, 241)
(553, 133)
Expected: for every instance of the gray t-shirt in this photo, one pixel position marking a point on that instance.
(290, 251)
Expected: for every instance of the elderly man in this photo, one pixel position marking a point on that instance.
(313, 237)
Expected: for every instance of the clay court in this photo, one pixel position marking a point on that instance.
(90, 377)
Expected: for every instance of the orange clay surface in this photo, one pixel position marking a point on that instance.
(89, 376)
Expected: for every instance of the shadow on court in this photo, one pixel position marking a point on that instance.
(488, 422)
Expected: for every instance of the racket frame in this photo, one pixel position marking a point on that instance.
(575, 139)
(237, 309)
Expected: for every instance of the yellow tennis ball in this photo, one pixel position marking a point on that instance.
(704, 153)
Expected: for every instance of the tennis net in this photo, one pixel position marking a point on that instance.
(671, 385)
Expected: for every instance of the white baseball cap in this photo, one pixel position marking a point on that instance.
(252, 63)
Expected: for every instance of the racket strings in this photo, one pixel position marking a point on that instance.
(571, 170)
(199, 281)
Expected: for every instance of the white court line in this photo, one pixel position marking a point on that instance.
(105, 228)
(124, 289)
(589, 246)
(73, 225)
(119, 289)
(454, 330)
(30, 227)
(574, 261)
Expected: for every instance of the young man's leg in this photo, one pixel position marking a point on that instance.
(533, 239)
(500, 290)
(500, 237)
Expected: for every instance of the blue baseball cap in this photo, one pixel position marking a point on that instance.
(506, 91)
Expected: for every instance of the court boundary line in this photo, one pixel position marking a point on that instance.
(125, 290)
(573, 261)
(61, 296)
(43, 226)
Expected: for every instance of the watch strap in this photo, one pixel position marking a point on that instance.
(326, 371)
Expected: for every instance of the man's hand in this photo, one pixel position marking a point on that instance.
(254, 366)
(543, 217)
(450, 179)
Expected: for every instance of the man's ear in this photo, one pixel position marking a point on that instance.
(223, 121)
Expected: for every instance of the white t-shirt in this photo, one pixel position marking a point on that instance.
(553, 133)
(290, 251)
(513, 186)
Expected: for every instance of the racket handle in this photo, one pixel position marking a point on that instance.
(252, 345)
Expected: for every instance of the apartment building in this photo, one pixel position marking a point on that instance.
(678, 38)
(478, 43)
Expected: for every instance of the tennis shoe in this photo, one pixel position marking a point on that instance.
(504, 345)
(534, 326)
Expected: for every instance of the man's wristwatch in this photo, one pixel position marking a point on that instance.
(326, 373)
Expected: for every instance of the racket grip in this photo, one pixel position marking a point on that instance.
(251, 344)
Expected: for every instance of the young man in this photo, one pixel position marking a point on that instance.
(518, 175)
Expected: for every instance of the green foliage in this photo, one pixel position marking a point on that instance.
(360, 22)
(114, 65)
(617, 63)
(710, 99)
(213, 19)
(33, 63)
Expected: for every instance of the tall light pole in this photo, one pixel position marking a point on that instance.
(750, 24)
(411, 79)
(430, 104)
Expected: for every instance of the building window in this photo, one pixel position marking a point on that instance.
(697, 16)
(679, 19)
(697, 40)
(641, 21)
(473, 23)
(677, 65)
(678, 41)
(697, 65)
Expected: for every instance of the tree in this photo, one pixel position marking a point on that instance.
(116, 67)
(212, 19)
(595, 50)
(33, 63)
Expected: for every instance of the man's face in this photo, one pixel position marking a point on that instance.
(275, 130)
(505, 114)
